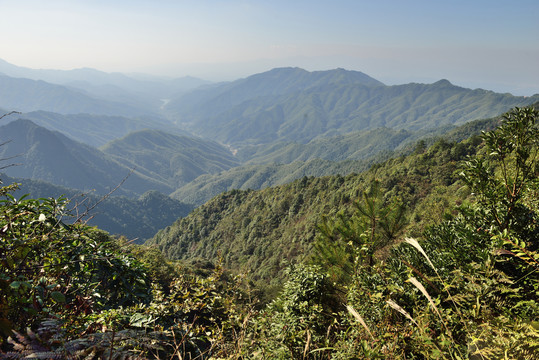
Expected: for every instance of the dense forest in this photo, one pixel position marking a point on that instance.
(429, 254)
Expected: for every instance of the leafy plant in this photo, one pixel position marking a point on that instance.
(49, 268)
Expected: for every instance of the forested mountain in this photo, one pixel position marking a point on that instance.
(352, 146)
(254, 177)
(212, 100)
(174, 160)
(276, 152)
(424, 175)
(322, 104)
(262, 231)
(275, 168)
(50, 156)
(97, 130)
(137, 219)
(32, 95)
(431, 253)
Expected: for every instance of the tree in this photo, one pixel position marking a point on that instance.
(349, 242)
(505, 180)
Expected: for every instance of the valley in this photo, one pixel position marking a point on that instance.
(286, 214)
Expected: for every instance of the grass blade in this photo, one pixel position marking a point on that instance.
(358, 317)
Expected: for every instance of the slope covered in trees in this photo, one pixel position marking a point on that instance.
(464, 287)
(253, 111)
(262, 231)
(50, 156)
(174, 160)
(138, 219)
(370, 148)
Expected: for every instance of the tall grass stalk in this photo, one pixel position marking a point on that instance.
(419, 248)
(421, 288)
(358, 317)
(397, 307)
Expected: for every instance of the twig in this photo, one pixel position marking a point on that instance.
(10, 113)
(103, 198)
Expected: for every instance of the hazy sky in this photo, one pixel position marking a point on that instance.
(491, 44)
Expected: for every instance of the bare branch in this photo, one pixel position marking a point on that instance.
(10, 113)
(103, 198)
(10, 157)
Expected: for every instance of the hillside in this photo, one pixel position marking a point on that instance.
(255, 177)
(174, 160)
(351, 146)
(50, 156)
(137, 219)
(294, 105)
(271, 165)
(261, 231)
(97, 130)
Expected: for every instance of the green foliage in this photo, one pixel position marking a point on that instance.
(502, 177)
(469, 289)
(137, 219)
(347, 243)
(49, 268)
(104, 301)
(296, 324)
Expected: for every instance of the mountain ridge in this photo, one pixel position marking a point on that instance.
(97, 130)
(250, 112)
(53, 157)
(31, 95)
(173, 159)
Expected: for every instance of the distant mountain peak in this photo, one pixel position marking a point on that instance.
(443, 82)
(305, 79)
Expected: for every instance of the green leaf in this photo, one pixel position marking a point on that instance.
(58, 297)
(18, 284)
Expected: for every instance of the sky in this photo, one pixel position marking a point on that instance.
(490, 44)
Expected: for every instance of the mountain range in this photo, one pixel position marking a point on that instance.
(172, 159)
(132, 90)
(50, 156)
(97, 130)
(147, 159)
(323, 104)
(31, 95)
(190, 139)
